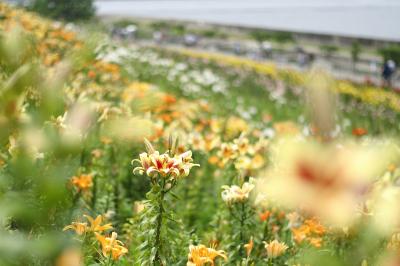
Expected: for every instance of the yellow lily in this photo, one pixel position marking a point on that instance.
(79, 228)
(111, 245)
(95, 224)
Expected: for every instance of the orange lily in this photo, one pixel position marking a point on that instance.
(95, 224)
(82, 182)
(79, 228)
(111, 245)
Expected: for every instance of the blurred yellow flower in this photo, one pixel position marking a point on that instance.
(394, 243)
(328, 180)
(275, 248)
(135, 90)
(70, 257)
(110, 245)
(79, 228)
(249, 247)
(227, 152)
(201, 255)
(235, 126)
(311, 231)
(95, 224)
(242, 144)
(286, 128)
(233, 194)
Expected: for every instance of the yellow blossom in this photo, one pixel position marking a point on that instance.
(275, 248)
(201, 255)
(233, 194)
(327, 180)
(70, 257)
(95, 224)
(164, 165)
(79, 228)
(110, 245)
(249, 247)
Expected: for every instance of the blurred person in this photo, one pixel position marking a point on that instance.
(191, 40)
(266, 49)
(237, 48)
(389, 68)
(311, 59)
(158, 37)
(302, 58)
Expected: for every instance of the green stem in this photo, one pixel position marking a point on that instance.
(114, 174)
(157, 244)
(242, 220)
(110, 262)
(94, 194)
(74, 203)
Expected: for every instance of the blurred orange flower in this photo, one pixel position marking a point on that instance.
(82, 182)
(359, 132)
(70, 257)
(249, 247)
(264, 216)
(111, 245)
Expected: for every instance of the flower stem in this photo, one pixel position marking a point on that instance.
(157, 244)
(242, 220)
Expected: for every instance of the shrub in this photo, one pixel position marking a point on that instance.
(69, 10)
(391, 52)
(280, 37)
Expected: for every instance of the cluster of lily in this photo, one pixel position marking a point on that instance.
(310, 231)
(333, 181)
(245, 156)
(368, 94)
(234, 194)
(110, 246)
(164, 165)
(53, 40)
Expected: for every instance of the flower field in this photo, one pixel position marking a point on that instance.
(116, 154)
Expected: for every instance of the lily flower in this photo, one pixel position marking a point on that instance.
(79, 228)
(82, 182)
(275, 249)
(162, 164)
(329, 181)
(249, 247)
(233, 194)
(95, 224)
(110, 245)
(243, 146)
(201, 255)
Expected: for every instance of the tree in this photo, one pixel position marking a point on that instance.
(329, 50)
(355, 53)
(279, 37)
(69, 10)
(391, 52)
